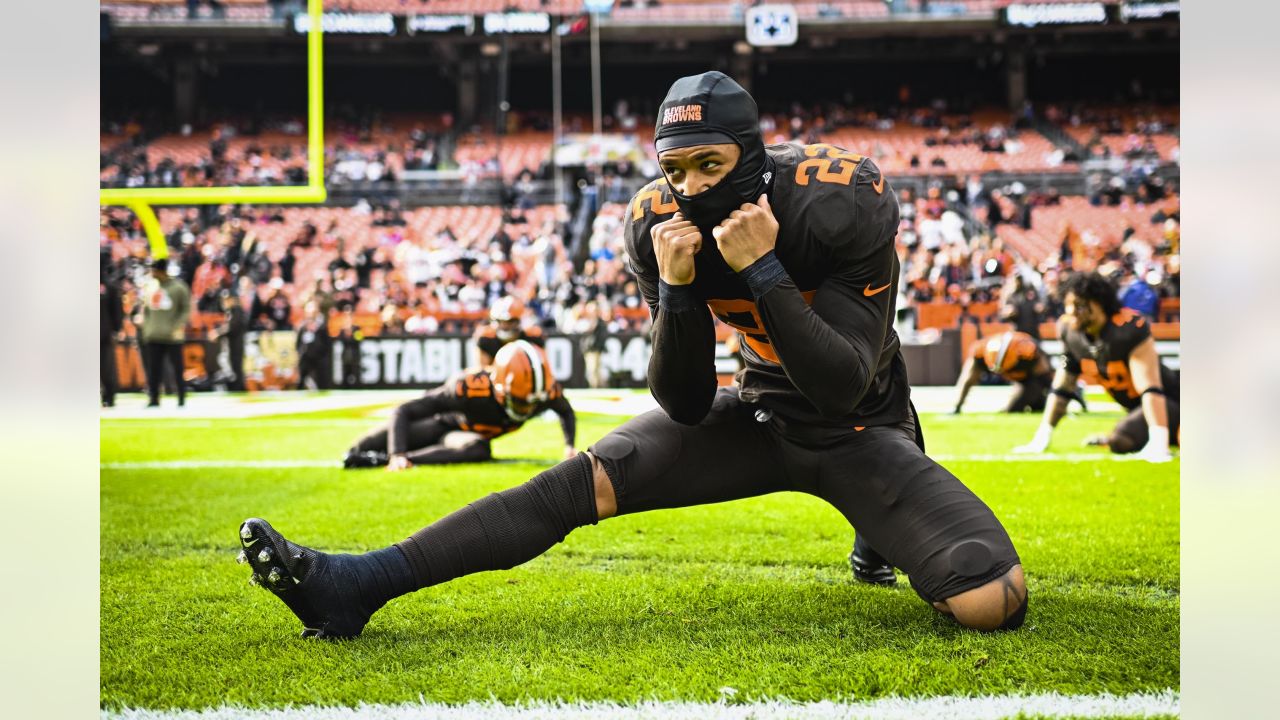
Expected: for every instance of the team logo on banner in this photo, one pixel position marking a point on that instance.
(772, 25)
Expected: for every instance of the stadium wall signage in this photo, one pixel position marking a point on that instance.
(1150, 11)
(440, 24)
(1032, 15)
(341, 23)
(517, 22)
(418, 361)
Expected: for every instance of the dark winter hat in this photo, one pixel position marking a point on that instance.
(706, 109)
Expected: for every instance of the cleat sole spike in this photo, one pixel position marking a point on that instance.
(264, 555)
(242, 558)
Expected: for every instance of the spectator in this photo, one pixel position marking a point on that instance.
(111, 326)
(349, 336)
(166, 308)
(276, 312)
(1137, 295)
(1021, 306)
(231, 334)
(315, 349)
(593, 331)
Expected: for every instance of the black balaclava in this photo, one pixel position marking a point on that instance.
(712, 109)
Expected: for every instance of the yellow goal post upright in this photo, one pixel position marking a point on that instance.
(140, 200)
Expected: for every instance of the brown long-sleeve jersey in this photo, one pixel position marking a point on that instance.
(816, 314)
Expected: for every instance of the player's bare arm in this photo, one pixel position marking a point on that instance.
(969, 376)
(1144, 366)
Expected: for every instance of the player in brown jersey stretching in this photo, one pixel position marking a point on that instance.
(1016, 357)
(794, 246)
(1112, 347)
(454, 423)
(506, 324)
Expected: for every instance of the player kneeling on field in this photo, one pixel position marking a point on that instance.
(1016, 357)
(793, 245)
(1112, 347)
(455, 422)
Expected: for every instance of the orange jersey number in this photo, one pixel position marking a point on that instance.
(650, 198)
(847, 164)
(744, 316)
(1117, 379)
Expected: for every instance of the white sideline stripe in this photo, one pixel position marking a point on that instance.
(1136, 705)
(1032, 457)
(197, 464)
(266, 464)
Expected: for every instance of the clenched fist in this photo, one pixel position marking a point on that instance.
(675, 242)
(748, 234)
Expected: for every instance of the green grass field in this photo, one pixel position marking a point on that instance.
(753, 595)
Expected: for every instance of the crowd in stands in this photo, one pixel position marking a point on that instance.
(624, 10)
(964, 239)
(926, 140)
(383, 269)
(359, 148)
(968, 245)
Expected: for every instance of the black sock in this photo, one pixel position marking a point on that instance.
(504, 529)
(379, 575)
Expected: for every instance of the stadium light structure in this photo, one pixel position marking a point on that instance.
(140, 200)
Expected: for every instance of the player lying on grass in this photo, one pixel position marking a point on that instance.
(455, 422)
(1112, 347)
(794, 246)
(1016, 357)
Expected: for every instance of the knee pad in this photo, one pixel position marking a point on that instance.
(969, 564)
(632, 459)
(1019, 616)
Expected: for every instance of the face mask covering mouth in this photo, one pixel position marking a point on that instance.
(710, 207)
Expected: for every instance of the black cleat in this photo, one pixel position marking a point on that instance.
(875, 571)
(366, 459)
(318, 588)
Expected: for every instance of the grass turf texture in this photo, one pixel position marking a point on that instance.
(754, 595)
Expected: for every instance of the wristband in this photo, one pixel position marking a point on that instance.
(763, 274)
(1153, 391)
(676, 298)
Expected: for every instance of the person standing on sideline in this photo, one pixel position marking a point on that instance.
(235, 324)
(595, 332)
(315, 349)
(166, 307)
(111, 323)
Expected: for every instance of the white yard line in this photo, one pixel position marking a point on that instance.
(260, 464)
(231, 406)
(1136, 705)
(202, 464)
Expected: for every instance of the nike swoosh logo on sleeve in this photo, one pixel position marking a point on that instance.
(869, 292)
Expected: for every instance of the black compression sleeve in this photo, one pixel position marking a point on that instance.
(682, 366)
